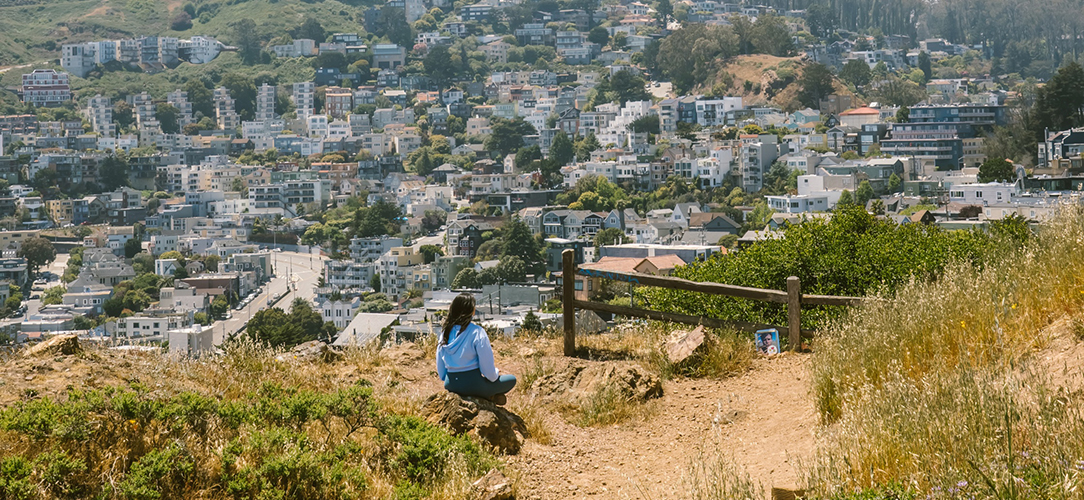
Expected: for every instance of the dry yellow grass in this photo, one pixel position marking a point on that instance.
(933, 388)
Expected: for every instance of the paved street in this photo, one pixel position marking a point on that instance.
(304, 271)
(437, 239)
(57, 270)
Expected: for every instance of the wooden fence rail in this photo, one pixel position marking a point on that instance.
(793, 298)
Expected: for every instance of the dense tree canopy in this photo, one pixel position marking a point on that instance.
(279, 329)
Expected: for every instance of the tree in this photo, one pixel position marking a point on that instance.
(378, 219)
(562, 151)
(136, 300)
(877, 207)
(439, 64)
(311, 29)
(531, 323)
(970, 211)
(247, 39)
(143, 263)
(903, 115)
(646, 123)
(430, 253)
(113, 172)
(770, 35)
(899, 92)
(691, 54)
(211, 263)
(996, 170)
(816, 84)
(856, 72)
(507, 135)
(894, 183)
(925, 65)
(201, 97)
(1060, 103)
(598, 35)
(510, 269)
(123, 115)
(525, 157)
(586, 146)
(466, 279)
(610, 236)
(845, 199)
(864, 193)
(432, 220)
(37, 251)
(166, 114)
(663, 11)
(181, 22)
(276, 328)
(219, 306)
(820, 20)
(113, 307)
(132, 247)
(243, 91)
(54, 295)
(517, 241)
(393, 24)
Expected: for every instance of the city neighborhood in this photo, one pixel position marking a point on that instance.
(394, 190)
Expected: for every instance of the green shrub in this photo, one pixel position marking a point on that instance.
(159, 474)
(851, 254)
(61, 475)
(421, 452)
(15, 478)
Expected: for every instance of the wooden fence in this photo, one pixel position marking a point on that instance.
(793, 298)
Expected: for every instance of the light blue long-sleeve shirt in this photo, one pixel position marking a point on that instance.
(467, 351)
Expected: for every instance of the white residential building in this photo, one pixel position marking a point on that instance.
(265, 103)
(304, 96)
(225, 114)
(179, 99)
(100, 113)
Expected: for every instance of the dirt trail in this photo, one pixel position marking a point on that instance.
(763, 420)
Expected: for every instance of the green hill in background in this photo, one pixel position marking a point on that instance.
(34, 30)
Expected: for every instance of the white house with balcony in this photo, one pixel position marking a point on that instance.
(984, 194)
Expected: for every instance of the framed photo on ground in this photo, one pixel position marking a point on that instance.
(768, 341)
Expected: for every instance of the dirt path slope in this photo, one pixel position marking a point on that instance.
(763, 420)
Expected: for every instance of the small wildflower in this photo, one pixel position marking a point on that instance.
(963, 324)
(1014, 306)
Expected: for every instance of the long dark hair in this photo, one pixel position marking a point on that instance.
(460, 313)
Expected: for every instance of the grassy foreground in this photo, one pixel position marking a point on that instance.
(242, 426)
(937, 392)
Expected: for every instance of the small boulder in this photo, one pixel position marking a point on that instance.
(60, 345)
(479, 417)
(313, 350)
(493, 486)
(579, 381)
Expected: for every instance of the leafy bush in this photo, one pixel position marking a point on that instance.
(159, 474)
(851, 254)
(421, 452)
(282, 441)
(15, 478)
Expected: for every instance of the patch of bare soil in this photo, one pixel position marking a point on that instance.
(1062, 361)
(763, 419)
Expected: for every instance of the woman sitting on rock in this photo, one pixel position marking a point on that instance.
(465, 358)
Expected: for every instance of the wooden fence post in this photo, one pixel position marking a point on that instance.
(794, 312)
(568, 299)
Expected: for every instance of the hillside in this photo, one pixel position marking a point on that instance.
(34, 31)
(765, 79)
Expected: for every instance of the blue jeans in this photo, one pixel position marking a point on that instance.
(472, 383)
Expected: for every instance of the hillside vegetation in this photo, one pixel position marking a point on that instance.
(34, 31)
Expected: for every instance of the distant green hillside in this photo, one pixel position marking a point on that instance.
(34, 30)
